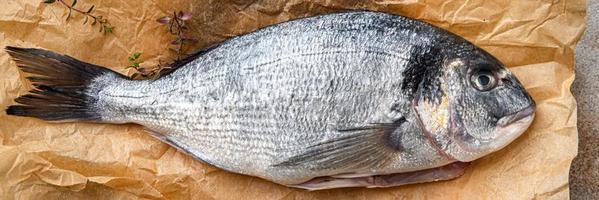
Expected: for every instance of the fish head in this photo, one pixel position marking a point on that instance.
(480, 105)
(488, 106)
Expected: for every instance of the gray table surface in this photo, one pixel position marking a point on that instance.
(584, 174)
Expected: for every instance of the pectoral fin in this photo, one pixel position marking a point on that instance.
(365, 147)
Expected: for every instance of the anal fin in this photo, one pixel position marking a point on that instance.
(180, 147)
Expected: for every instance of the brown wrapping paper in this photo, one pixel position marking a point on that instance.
(40, 160)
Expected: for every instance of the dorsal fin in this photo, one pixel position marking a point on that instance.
(183, 61)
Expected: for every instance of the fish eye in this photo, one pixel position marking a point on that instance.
(483, 80)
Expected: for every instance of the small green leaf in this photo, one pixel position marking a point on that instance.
(74, 2)
(136, 55)
(90, 9)
(107, 29)
(49, 1)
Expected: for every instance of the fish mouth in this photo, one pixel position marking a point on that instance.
(525, 114)
(511, 127)
(508, 128)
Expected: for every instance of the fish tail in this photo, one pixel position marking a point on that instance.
(65, 89)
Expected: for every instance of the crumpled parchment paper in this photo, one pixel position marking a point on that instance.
(40, 160)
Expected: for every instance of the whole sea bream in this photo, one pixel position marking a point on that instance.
(351, 99)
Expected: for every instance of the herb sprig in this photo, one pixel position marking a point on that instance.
(140, 72)
(105, 26)
(176, 26)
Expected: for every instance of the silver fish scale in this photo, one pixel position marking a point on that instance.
(259, 99)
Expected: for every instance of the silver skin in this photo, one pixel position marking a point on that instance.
(331, 95)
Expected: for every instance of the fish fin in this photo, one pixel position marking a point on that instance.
(164, 139)
(60, 84)
(363, 147)
(353, 175)
(446, 172)
(177, 145)
(185, 60)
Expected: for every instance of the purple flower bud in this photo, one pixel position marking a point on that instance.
(164, 20)
(184, 15)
